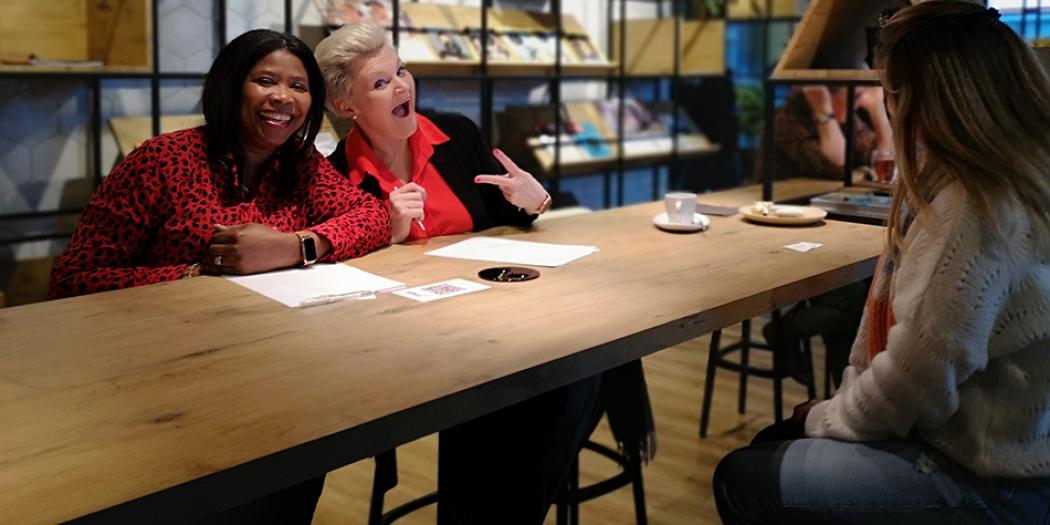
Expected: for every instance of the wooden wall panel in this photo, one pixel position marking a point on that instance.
(52, 30)
(119, 32)
(650, 44)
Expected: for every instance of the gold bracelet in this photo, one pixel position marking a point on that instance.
(824, 118)
(545, 205)
(193, 270)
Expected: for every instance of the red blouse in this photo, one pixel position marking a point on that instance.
(443, 213)
(154, 213)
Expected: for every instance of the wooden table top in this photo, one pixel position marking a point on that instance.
(202, 391)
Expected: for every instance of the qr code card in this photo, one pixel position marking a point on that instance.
(441, 290)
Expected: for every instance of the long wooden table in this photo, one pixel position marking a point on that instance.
(166, 402)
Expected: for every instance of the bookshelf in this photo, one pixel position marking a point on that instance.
(125, 41)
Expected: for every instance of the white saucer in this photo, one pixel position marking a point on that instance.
(700, 222)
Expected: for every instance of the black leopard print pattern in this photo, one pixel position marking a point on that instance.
(154, 213)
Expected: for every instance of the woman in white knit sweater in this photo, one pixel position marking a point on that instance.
(944, 412)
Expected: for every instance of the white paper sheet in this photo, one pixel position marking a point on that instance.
(441, 290)
(292, 287)
(514, 252)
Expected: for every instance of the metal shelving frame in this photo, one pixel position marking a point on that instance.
(155, 77)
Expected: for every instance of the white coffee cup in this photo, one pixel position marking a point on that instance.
(680, 207)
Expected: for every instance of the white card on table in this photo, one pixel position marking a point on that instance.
(804, 247)
(441, 290)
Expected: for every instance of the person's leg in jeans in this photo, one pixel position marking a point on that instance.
(903, 482)
(507, 467)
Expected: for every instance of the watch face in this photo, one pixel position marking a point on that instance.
(309, 250)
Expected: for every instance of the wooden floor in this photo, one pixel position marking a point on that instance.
(677, 482)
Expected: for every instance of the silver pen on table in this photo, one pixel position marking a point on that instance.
(318, 300)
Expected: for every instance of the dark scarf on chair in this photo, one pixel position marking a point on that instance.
(626, 399)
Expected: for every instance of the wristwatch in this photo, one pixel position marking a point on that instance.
(308, 247)
(824, 118)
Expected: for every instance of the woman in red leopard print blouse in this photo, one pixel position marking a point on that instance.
(236, 196)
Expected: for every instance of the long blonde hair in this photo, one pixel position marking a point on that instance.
(967, 88)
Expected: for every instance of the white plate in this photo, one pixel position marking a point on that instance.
(800, 215)
(700, 222)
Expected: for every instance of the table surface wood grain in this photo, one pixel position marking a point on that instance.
(132, 404)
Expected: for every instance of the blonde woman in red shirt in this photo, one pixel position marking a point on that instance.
(434, 173)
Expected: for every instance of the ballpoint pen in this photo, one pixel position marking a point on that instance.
(419, 222)
(318, 300)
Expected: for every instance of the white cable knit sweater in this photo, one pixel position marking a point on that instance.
(967, 364)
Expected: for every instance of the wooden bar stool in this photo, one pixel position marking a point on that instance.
(716, 359)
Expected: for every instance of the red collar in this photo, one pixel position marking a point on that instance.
(363, 162)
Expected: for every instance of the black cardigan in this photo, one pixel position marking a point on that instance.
(459, 160)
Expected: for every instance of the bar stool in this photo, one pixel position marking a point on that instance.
(716, 359)
(611, 404)
(384, 479)
(568, 502)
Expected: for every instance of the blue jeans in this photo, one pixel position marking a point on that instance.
(903, 482)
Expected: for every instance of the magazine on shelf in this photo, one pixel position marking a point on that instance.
(337, 13)
(450, 45)
(541, 46)
(592, 142)
(584, 51)
(415, 46)
(638, 121)
(532, 127)
(524, 51)
(497, 46)
(665, 114)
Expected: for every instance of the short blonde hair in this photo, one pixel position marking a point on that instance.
(339, 53)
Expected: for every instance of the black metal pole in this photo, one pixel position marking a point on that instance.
(221, 15)
(396, 31)
(656, 168)
(555, 87)
(96, 129)
(622, 85)
(154, 81)
(486, 81)
(1024, 18)
(288, 16)
(767, 141)
(847, 169)
(1039, 19)
(673, 181)
(607, 175)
